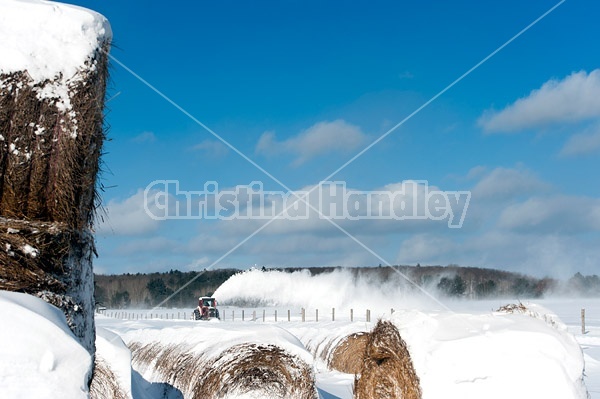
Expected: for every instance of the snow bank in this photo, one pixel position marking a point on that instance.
(39, 355)
(48, 40)
(478, 355)
(492, 355)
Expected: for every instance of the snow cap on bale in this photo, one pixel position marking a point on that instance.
(54, 40)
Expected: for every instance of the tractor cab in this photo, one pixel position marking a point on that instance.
(207, 309)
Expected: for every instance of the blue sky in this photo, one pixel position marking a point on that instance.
(301, 87)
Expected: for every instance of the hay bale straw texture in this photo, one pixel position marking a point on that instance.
(347, 356)
(244, 370)
(105, 383)
(387, 371)
(49, 152)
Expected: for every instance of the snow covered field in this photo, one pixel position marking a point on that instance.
(471, 353)
(460, 349)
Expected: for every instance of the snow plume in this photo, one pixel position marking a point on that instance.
(340, 289)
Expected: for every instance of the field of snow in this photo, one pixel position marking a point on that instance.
(472, 351)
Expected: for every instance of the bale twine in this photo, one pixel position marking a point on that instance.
(387, 370)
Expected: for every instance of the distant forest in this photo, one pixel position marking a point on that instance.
(147, 290)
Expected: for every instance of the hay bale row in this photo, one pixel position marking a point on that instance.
(387, 370)
(248, 370)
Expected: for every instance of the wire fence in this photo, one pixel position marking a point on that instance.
(249, 314)
(277, 315)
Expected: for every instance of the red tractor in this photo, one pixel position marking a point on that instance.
(207, 309)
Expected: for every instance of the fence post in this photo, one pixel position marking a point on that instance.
(368, 316)
(332, 314)
(583, 321)
(351, 314)
(242, 314)
(275, 315)
(233, 315)
(316, 314)
(264, 315)
(254, 315)
(303, 315)
(289, 315)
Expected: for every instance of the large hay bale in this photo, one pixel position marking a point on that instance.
(51, 135)
(249, 370)
(347, 356)
(387, 371)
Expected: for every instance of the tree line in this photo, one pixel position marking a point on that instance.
(182, 289)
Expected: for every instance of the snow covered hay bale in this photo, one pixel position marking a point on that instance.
(387, 370)
(51, 134)
(347, 356)
(243, 370)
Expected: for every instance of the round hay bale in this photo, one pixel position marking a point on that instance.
(347, 356)
(257, 371)
(387, 369)
(248, 370)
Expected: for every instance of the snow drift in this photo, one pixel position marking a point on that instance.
(39, 355)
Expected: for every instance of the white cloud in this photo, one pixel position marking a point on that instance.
(584, 143)
(144, 137)
(504, 183)
(550, 215)
(537, 254)
(319, 139)
(576, 98)
(212, 148)
(127, 217)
